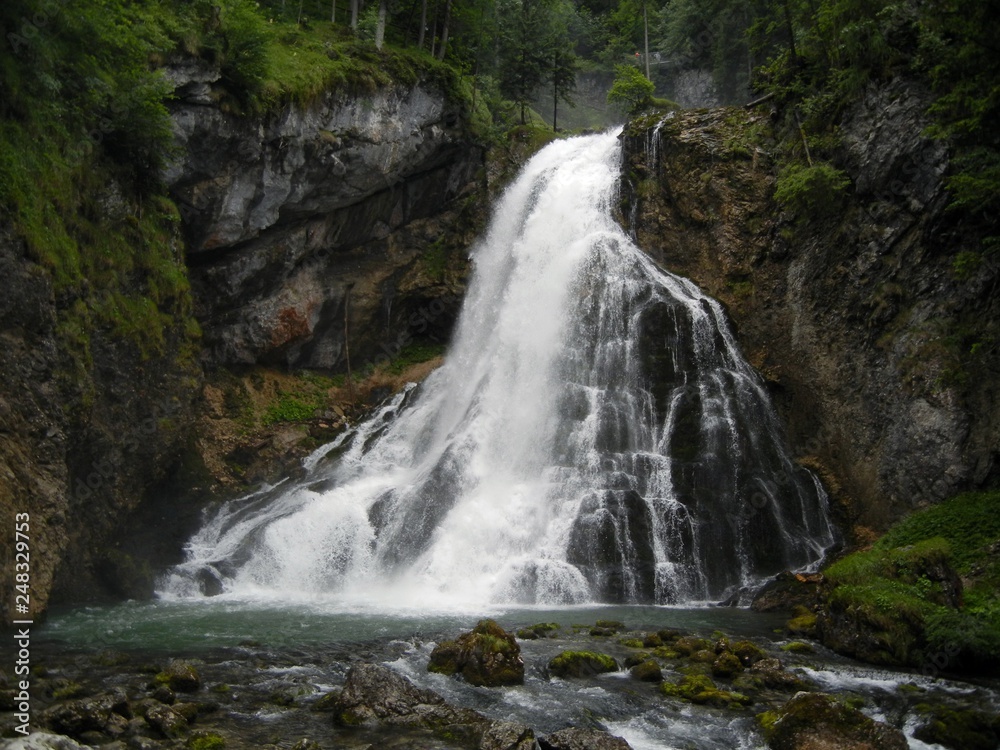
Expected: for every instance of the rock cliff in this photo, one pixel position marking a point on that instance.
(301, 230)
(320, 218)
(879, 347)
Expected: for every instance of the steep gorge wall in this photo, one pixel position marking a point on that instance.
(879, 354)
(285, 219)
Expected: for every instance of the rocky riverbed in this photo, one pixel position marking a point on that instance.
(586, 685)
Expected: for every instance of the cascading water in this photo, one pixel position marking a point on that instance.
(594, 435)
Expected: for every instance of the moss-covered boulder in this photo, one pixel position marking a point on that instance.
(487, 655)
(647, 671)
(581, 664)
(700, 689)
(816, 720)
(748, 652)
(772, 674)
(727, 664)
(180, 676)
(959, 729)
(539, 630)
(689, 644)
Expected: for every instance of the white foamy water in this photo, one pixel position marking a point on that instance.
(594, 435)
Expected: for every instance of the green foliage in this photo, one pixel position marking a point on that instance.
(290, 408)
(811, 192)
(414, 354)
(900, 587)
(631, 91)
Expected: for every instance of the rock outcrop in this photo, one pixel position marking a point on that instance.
(875, 345)
(320, 228)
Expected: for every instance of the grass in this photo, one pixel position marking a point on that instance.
(906, 590)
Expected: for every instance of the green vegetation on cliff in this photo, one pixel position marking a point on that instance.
(927, 594)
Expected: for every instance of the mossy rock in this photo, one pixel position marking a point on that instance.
(206, 741)
(647, 671)
(487, 656)
(727, 664)
(704, 656)
(180, 676)
(700, 690)
(539, 630)
(607, 628)
(749, 653)
(637, 658)
(803, 622)
(668, 635)
(688, 644)
(631, 642)
(666, 652)
(817, 720)
(581, 664)
(773, 675)
(652, 640)
(960, 729)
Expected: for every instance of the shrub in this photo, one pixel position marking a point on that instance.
(811, 192)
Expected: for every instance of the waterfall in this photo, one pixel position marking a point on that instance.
(594, 435)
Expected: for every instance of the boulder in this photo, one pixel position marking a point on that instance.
(180, 676)
(105, 713)
(488, 655)
(576, 738)
(581, 664)
(810, 721)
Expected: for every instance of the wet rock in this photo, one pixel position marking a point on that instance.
(772, 674)
(541, 630)
(687, 645)
(43, 741)
(107, 713)
(164, 695)
(374, 695)
(700, 689)
(180, 676)
(748, 653)
(815, 720)
(727, 664)
(647, 671)
(306, 744)
(488, 655)
(581, 664)
(507, 735)
(166, 721)
(576, 738)
(959, 729)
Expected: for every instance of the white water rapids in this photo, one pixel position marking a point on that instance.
(594, 435)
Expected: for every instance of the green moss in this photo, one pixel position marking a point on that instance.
(581, 664)
(631, 642)
(811, 191)
(798, 647)
(904, 591)
(414, 354)
(700, 689)
(206, 741)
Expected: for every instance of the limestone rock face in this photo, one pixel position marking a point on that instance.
(858, 321)
(312, 214)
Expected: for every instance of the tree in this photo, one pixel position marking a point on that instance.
(524, 47)
(383, 7)
(631, 91)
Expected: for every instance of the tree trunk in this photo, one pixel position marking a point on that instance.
(645, 31)
(423, 24)
(333, 11)
(380, 25)
(444, 30)
(355, 9)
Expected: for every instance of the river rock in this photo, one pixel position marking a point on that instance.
(181, 676)
(43, 741)
(581, 664)
(488, 655)
(815, 721)
(576, 738)
(166, 721)
(374, 695)
(107, 713)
